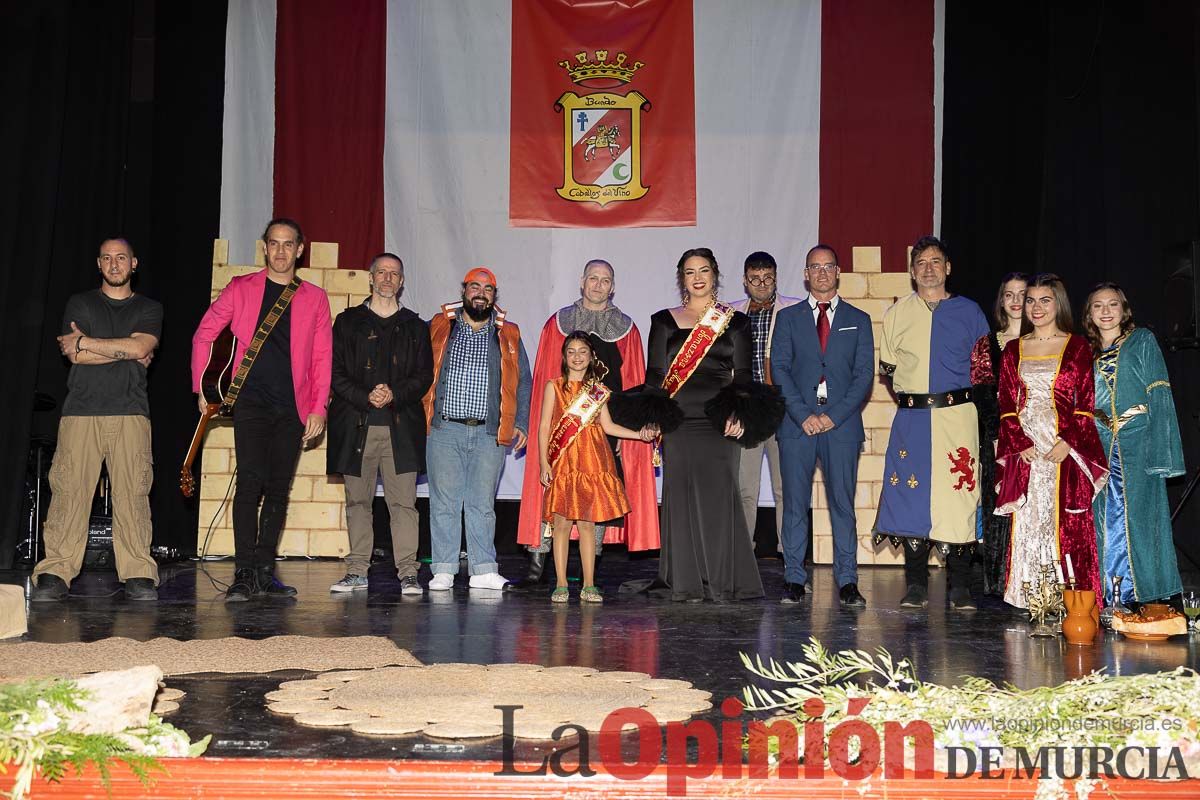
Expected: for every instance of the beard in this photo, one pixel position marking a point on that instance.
(117, 282)
(478, 314)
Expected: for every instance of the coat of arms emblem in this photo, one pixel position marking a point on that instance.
(602, 131)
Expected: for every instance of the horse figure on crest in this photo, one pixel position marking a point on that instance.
(604, 137)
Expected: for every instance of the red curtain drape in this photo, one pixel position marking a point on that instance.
(329, 122)
(876, 126)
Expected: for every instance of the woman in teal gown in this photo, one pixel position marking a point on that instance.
(1135, 415)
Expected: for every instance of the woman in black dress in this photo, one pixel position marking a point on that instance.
(706, 552)
(1007, 313)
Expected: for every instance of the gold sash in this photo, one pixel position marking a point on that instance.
(701, 338)
(580, 413)
(1115, 425)
(699, 341)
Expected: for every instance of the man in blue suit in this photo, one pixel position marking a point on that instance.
(823, 360)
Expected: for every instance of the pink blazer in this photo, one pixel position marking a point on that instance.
(238, 306)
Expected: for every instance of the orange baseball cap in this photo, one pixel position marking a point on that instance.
(481, 275)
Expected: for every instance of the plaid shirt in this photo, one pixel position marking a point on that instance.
(467, 372)
(760, 327)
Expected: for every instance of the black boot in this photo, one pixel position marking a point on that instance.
(958, 577)
(533, 578)
(242, 586)
(916, 573)
(267, 585)
(49, 588)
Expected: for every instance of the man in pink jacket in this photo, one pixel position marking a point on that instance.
(282, 402)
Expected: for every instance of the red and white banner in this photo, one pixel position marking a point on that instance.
(602, 127)
(385, 124)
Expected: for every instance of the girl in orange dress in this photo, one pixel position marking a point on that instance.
(577, 464)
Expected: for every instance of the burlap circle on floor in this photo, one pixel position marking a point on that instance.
(330, 719)
(458, 701)
(389, 726)
(227, 655)
(292, 707)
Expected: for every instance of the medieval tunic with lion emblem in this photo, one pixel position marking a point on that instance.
(931, 484)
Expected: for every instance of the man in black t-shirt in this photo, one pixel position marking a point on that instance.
(109, 336)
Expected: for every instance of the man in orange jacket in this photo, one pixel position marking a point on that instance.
(477, 408)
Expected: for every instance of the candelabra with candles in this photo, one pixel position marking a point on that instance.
(1043, 598)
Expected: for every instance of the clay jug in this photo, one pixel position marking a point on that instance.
(1079, 627)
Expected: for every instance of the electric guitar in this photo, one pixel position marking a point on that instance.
(214, 385)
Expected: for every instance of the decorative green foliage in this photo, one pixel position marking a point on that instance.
(1158, 710)
(34, 737)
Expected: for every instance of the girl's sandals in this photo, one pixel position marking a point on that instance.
(591, 594)
(560, 595)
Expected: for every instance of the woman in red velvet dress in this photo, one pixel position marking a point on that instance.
(1049, 461)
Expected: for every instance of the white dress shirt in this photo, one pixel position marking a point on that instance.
(822, 389)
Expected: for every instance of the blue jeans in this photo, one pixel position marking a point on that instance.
(463, 464)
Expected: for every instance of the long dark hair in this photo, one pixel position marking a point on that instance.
(999, 315)
(1089, 328)
(596, 369)
(1063, 319)
(708, 256)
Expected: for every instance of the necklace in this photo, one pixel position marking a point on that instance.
(1047, 338)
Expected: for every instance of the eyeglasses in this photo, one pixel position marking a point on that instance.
(767, 281)
(822, 267)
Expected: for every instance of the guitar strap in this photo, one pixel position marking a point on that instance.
(260, 336)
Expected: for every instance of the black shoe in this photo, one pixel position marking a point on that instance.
(793, 593)
(267, 585)
(533, 578)
(917, 596)
(850, 596)
(242, 587)
(49, 589)
(961, 600)
(140, 589)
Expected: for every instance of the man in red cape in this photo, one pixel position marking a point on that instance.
(618, 343)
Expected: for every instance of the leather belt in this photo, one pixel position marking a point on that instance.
(955, 397)
(468, 421)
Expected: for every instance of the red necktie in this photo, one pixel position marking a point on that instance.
(823, 325)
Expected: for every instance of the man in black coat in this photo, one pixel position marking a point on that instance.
(382, 367)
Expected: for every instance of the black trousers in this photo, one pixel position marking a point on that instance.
(266, 441)
(916, 559)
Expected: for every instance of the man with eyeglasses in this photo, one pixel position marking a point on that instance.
(762, 304)
(824, 357)
(931, 483)
(477, 408)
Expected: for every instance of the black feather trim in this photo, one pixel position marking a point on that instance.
(645, 405)
(758, 406)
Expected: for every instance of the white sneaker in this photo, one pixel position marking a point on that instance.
(488, 580)
(442, 582)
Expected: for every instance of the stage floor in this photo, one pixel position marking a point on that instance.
(697, 642)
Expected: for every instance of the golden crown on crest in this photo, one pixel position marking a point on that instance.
(585, 69)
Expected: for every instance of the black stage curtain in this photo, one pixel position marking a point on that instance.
(112, 126)
(1071, 145)
(185, 217)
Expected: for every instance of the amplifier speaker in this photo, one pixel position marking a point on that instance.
(99, 552)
